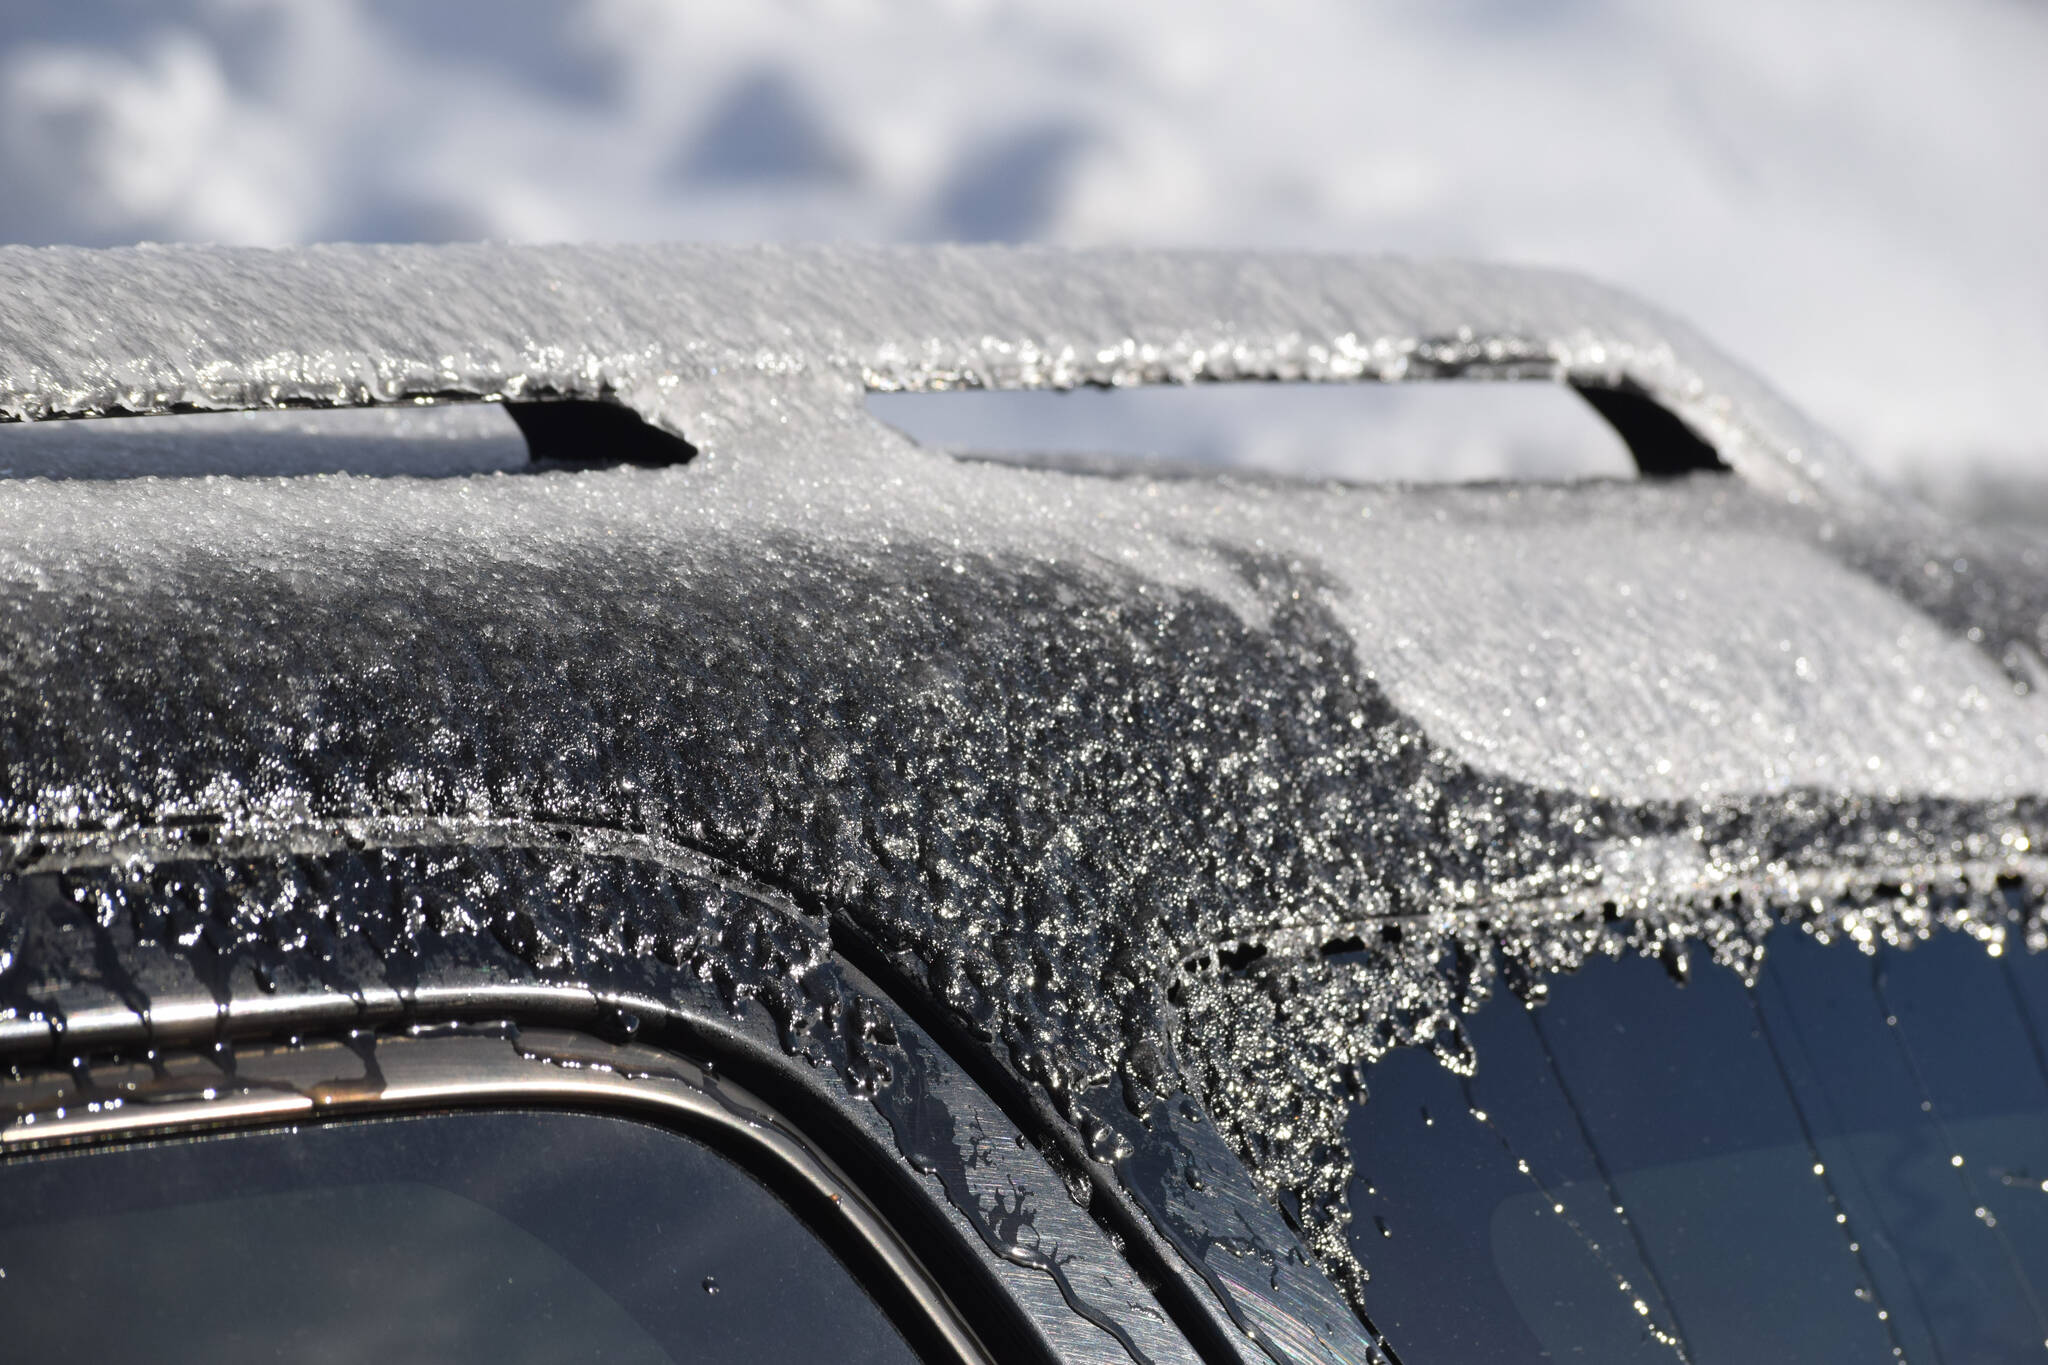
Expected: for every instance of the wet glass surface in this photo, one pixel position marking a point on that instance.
(1847, 1162)
(504, 1238)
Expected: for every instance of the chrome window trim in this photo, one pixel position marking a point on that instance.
(439, 1068)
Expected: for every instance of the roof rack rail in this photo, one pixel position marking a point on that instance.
(691, 337)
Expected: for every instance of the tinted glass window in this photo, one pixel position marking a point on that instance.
(501, 1238)
(1848, 1162)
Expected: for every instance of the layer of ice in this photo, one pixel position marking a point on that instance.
(1061, 753)
(364, 931)
(154, 329)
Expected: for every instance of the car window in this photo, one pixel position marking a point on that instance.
(1846, 1162)
(499, 1237)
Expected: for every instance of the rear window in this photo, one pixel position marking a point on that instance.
(469, 1237)
(1846, 1162)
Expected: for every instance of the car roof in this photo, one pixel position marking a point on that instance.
(1058, 759)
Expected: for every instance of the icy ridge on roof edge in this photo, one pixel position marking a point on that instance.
(154, 329)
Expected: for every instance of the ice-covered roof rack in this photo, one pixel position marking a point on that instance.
(683, 334)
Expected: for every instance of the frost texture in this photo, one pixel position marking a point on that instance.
(1071, 757)
(399, 919)
(1041, 788)
(153, 329)
(406, 920)
(1280, 1048)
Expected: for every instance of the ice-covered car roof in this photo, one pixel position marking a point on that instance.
(1052, 754)
(684, 334)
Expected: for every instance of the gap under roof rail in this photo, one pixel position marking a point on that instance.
(693, 337)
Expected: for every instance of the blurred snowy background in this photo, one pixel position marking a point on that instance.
(1850, 195)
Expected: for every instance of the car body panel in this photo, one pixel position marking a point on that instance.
(1048, 758)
